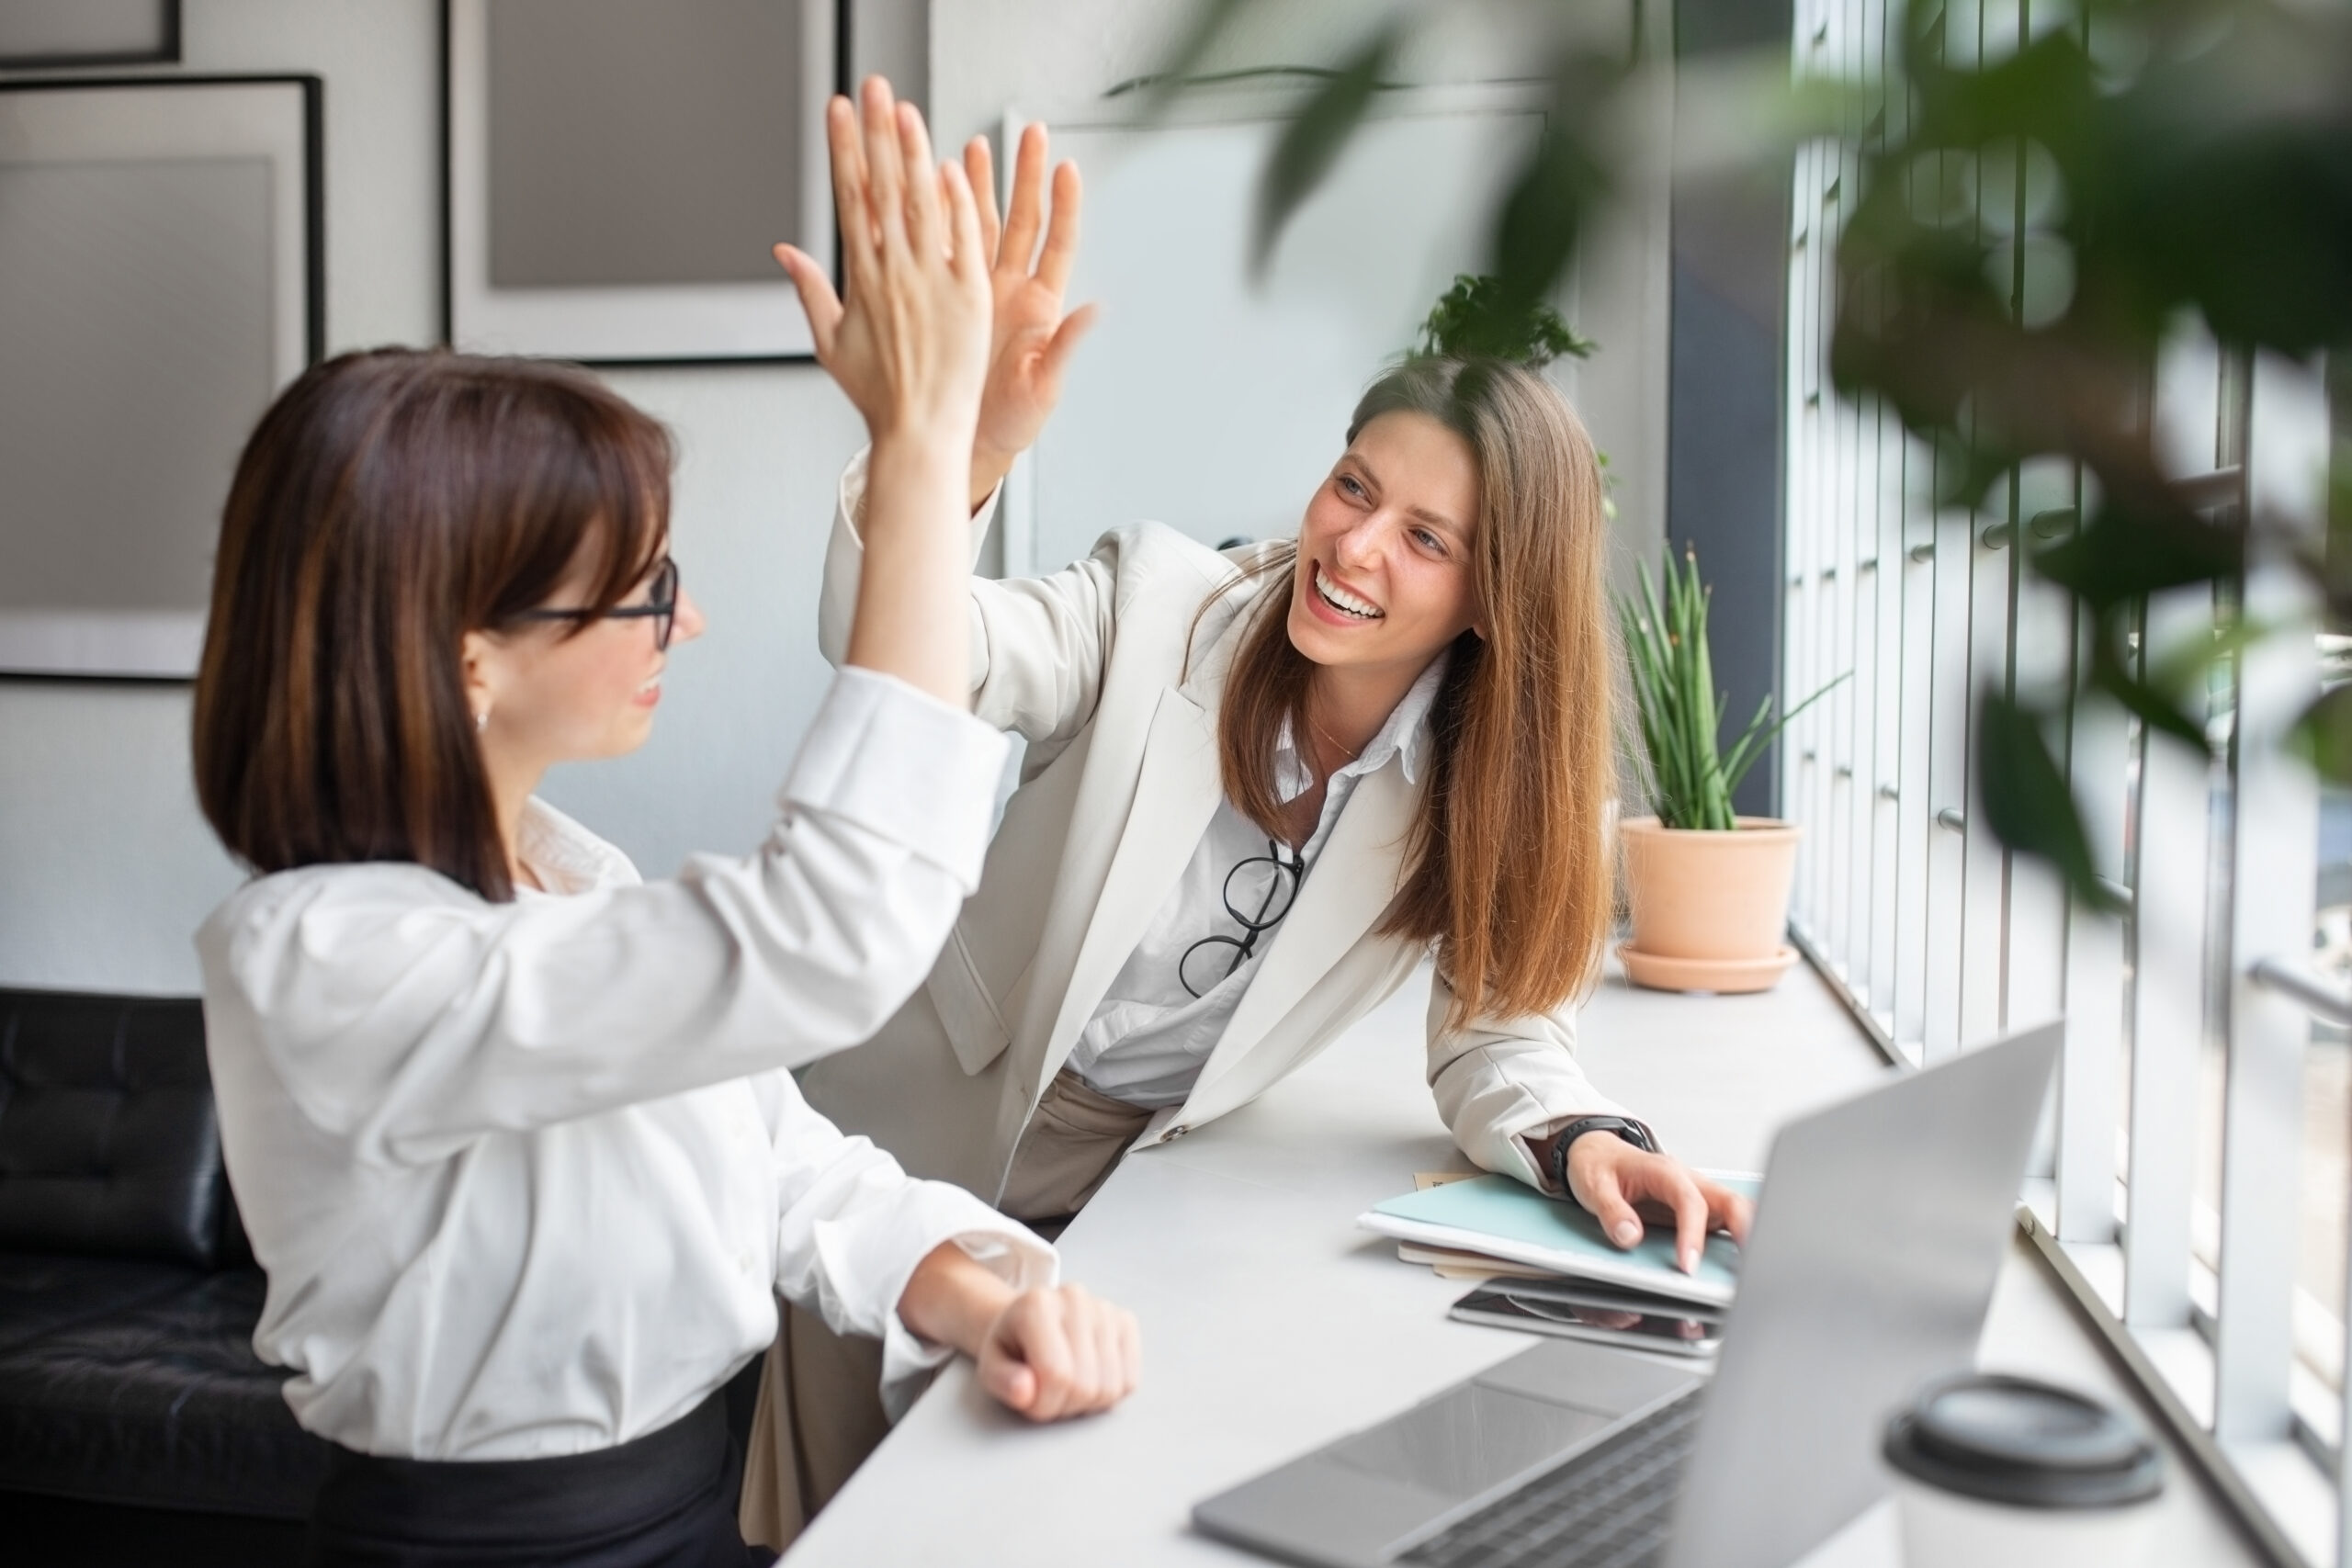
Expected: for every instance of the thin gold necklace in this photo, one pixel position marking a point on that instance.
(1331, 742)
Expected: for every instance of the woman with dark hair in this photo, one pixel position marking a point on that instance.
(510, 1129)
(1261, 787)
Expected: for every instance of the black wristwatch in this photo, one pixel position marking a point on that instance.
(1632, 1131)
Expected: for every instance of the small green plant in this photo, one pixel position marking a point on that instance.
(1689, 777)
(1474, 318)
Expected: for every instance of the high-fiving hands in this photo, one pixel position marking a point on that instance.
(911, 348)
(911, 344)
(1030, 337)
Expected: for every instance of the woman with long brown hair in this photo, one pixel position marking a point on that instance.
(1261, 787)
(511, 1130)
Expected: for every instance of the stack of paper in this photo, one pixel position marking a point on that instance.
(1497, 1226)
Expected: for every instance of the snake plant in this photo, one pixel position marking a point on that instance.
(1689, 778)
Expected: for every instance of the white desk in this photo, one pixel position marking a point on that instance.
(1272, 1324)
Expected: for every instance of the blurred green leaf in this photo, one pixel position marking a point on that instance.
(2027, 803)
(1311, 143)
(2120, 556)
(1210, 20)
(2322, 736)
(2150, 706)
(1543, 213)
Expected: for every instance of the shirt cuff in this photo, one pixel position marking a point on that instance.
(937, 1213)
(902, 765)
(1014, 1255)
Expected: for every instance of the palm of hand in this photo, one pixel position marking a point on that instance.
(1024, 382)
(1030, 338)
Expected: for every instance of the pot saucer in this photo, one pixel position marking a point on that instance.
(1722, 974)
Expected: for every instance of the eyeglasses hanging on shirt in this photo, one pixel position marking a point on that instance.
(1258, 893)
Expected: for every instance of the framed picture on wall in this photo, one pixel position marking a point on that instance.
(159, 281)
(55, 34)
(618, 170)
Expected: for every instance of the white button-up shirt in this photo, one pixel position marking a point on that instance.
(1150, 1036)
(524, 1175)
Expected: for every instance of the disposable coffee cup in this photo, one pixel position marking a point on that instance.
(2008, 1470)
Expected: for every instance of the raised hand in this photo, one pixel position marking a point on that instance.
(910, 348)
(1030, 338)
(910, 345)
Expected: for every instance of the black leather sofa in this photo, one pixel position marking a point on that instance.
(136, 1423)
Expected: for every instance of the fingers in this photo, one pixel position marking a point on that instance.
(1114, 1335)
(968, 243)
(1056, 353)
(926, 223)
(852, 204)
(1060, 1353)
(1030, 1331)
(1605, 1196)
(1027, 210)
(1061, 233)
(885, 167)
(822, 305)
(980, 171)
(1690, 1220)
(1006, 1379)
(1728, 1211)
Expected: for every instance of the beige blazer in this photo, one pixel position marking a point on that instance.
(1089, 665)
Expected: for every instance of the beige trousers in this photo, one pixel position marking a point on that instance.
(821, 1400)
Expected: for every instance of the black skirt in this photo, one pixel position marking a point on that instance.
(665, 1500)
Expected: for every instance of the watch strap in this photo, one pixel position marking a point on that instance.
(1635, 1133)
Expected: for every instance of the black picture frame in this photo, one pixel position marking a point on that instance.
(97, 643)
(461, 269)
(164, 51)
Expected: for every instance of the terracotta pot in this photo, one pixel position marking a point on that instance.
(1711, 909)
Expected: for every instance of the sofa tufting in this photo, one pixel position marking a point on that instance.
(134, 1412)
(137, 1425)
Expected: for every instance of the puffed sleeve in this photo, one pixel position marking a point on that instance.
(1500, 1080)
(853, 1225)
(407, 1015)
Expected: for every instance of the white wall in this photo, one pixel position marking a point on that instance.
(1057, 58)
(106, 867)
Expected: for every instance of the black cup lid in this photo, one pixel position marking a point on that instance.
(2012, 1439)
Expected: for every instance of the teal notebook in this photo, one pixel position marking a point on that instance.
(1506, 1219)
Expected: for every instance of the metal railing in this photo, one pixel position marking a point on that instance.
(2189, 1018)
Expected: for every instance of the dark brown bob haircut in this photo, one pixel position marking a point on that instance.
(388, 504)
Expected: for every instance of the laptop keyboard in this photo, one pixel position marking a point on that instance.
(1608, 1508)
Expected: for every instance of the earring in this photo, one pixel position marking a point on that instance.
(481, 721)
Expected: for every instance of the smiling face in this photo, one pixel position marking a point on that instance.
(1383, 577)
(560, 692)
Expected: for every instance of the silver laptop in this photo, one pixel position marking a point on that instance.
(1882, 1224)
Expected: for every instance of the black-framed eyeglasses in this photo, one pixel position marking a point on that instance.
(1258, 894)
(661, 606)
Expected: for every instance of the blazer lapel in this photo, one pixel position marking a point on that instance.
(1176, 793)
(1347, 888)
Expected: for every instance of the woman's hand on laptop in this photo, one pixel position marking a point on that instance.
(1618, 1184)
(1048, 1354)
